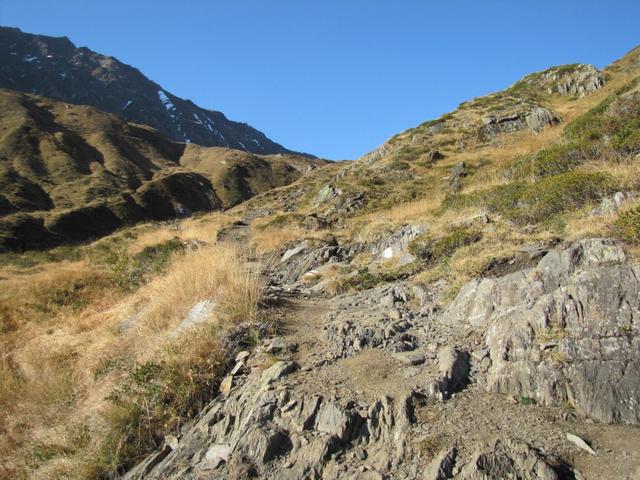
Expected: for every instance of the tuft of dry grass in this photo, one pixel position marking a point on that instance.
(271, 239)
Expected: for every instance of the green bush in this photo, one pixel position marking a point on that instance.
(130, 272)
(627, 226)
(438, 251)
(553, 195)
(540, 201)
(554, 160)
(365, 280)
(615, 124)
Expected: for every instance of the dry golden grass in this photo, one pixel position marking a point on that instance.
(54, 415)
(204, 229)
(274, 238)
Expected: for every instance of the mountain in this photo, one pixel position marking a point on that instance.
(72, 172)
(54, 67)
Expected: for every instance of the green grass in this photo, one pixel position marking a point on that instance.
(132, 271)
(523, 203)
(365, 280)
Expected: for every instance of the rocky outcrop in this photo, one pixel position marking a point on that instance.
(508, 458)
(564, 332)
(534, 118)
(576, 80)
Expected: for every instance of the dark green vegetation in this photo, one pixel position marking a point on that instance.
(435, 251)
(547, 183)
(627, 226)
(523, 202)
(132, 271)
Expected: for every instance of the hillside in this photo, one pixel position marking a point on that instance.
(459, 304)
(70, 173)
(54, 67)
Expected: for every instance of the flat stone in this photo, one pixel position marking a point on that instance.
(278, 370)
(410, 358)
(276, 345)
(226, 385)
(237, 368)
(198, 314)
(243, 355)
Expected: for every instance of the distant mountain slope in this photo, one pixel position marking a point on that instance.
(71, 172)
(54, 67)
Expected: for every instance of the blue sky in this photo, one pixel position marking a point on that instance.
(336, 77)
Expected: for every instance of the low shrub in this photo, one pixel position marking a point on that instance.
(438, 251)
(537, 202)
(627, 225)
(130, 272)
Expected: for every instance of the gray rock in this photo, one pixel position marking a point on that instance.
(243, 355)
(532, 117)
(580, 443)
(441, 467)
(410, 358)
(584, 299)
(278, 370)
(506, 459)
(336, 421)
(276, 345)
(454, 368)
(325, 194)
(294, 251)
(198, 314)
(216, 455)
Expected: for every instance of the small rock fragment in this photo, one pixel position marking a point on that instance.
(580, 443)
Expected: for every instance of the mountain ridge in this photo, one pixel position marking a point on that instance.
(54, 67)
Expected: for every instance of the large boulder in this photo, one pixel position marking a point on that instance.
(563, 333)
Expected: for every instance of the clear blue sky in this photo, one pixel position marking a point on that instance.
(336, 77)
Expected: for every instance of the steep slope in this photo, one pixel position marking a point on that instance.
(54, 67)
(72, 172)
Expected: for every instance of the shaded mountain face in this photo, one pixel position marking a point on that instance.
(72, 173)
(54, 67)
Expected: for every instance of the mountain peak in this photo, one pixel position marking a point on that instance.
(54, 67)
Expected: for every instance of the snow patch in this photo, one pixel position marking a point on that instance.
(127, 104)
(29, 58)
(168, 105)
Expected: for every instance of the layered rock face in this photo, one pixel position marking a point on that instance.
(565, 331)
